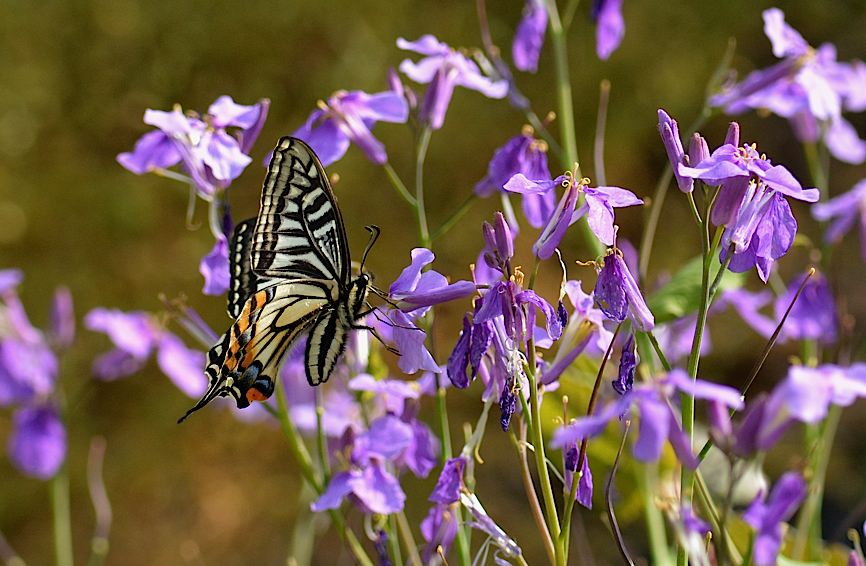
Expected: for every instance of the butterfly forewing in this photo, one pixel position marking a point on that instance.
(299, 233)
(244, 281)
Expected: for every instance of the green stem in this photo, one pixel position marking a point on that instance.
(393, 540)
(541, 460)
(531, 495)
(408, 540)
(807, 544)
(62, 521)
(455, 217)
(420, 210)
(399, 185)
(816, 170)
(646, 479)
(305, 463)
(322, 441)
(565, 104)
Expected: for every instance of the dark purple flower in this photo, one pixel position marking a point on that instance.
(374, 488)
(381, 546)
(627, 365)
(527, 155)
(809, 87)
(347, 118)
(583, 495)
(214, 267)
(529, 37)
(450, 481)
(444, 68)
(767, 515)
(507, 402)
(610, 26)
(843, 212)
(618, 295)
(37, 446)
(210, 155)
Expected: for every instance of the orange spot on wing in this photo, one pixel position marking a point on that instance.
(254, 394)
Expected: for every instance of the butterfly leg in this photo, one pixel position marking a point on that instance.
(376, 335)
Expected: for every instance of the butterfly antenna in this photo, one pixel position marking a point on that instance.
(387, 320)
(374, 235)
(383, 295)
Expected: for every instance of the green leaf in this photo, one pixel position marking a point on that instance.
(682, 294)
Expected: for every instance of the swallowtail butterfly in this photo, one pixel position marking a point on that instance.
(290, 274)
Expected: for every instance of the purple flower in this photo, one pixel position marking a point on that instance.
(182, 365)
(583, 495)
(211, 156)
(439, 528)
(670, 133)
(527, 155)
(214, 267)
(37, 446)
(757, 431)
(610, 26)
(393, 393)
(133, 335)
(767, 516)
(598, 206)
(813, 316)
(842, 212)
(809, 87)
(618, 295)
(675, 337)
(759, 225)
(498, 244)
(807, 393)
(414, 290)
(529, 37)
(444, 68)
(347, 118)
(627, 365)
(658, 423)
(450, 481)
(374, 488)
(62, 330)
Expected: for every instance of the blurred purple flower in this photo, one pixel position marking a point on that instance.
(182, 365)
(374, 489)
(527, 155)
(529, 37)
(610, 26)
(393, 393)
(842, 212)
(617, 294)
(61, 331)
(807, 393)
(658, 423)
(439, 528)
(758, 429)
(209, 154)
(9, 279)
(37, 446)
(133, 335)
(347, 118)
(809, 87)
(813, 316)
(675, 337)
(767, 515)
(444, 68)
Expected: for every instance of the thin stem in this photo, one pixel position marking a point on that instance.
(62, 521)
(305, 463)
(661, 355)
(408, 540)
(600, 126)
(399, 185)
(568, 15)
(101, 505)
(420, 210)
(608, 496)
(816, 170)
(394, 541)
(706, 500)
(322, 441)
(807, 544)
(531, 495)
(455, 217)
(647, 478)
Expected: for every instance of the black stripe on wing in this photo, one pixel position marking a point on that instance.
(325, 344)
(299, 233)
(244, 281)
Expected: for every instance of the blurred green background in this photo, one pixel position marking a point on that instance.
(75, 79)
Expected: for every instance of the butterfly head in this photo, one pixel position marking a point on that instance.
(358, 294)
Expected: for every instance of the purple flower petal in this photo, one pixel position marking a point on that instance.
(529, 37)
(610, 27)
(182, 365)
(450, 481)
(132, 332)
(214, 267)
(37, 446)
